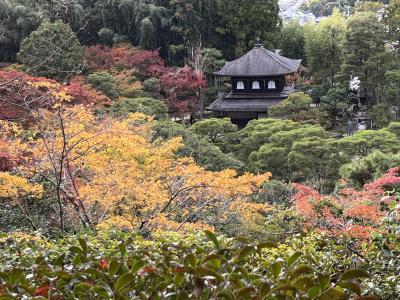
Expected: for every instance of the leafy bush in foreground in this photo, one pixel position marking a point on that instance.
(122, 266)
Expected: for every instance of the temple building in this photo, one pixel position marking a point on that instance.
(259, 79)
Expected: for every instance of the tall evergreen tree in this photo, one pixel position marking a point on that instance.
(323, 48)
(365, 55)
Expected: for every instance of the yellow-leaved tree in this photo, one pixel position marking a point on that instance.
(107, 172)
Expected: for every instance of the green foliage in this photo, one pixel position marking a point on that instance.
(148, 106)
(391, 90)
(151, 87)
(275, 192)
(199, 148)
(316, 160)
(364, 142)
(394, 127)
(391, 19)
(364, 51)
(17, 21)
(124, 266)
(213, 60)
(369, 168)
(292, 106)
(304, 153)
(248, 20)
(106, 36)
(381, 115)
(220, 132)
(258, 132)
(104, 82)
(323, 48)
(291, 41)
(335, 103)
(52, 51)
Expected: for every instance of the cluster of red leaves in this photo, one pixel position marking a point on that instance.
(388, 181)
(351, 212)
(124, 56)
(18, 97)
(7, 162)
(181, 87)
(83, 93)
(43, 291)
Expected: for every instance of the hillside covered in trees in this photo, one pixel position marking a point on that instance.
(117, 182)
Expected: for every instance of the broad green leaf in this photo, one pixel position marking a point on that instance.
(190, 260)
(354, 273)
(114, 267)
(244, 252)
(124, 281)
(314, 292)
(212, 237)
(83, 244)
(351, 286)
(301, 269)
(276, 268)
(122, 248)
(16, 275)
(292, 259)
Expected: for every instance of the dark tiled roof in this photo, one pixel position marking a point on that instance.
(247, 102)
(260, 62)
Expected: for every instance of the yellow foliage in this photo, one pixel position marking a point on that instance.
(118, 174)
(14, 187)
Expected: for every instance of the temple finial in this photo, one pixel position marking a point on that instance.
(258, 43)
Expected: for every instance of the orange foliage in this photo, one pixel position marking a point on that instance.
(353, 213)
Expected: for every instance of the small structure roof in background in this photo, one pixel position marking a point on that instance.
(260, 62)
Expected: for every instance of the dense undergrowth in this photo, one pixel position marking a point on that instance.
(117, 265)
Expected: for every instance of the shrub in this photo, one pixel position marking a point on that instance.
(151, 86)
(126, 267)
(148, 106)
(106, 36)
(104, 82)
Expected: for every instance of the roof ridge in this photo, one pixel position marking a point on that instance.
(273, 56)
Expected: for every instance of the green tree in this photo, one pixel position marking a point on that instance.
(291, 40)
(391, 89)
(323, 48)
(220, 132)
(52, 51)
(364, 53)
(247, 20)
(199, 148)
(17, 21)
(369, 168)
(291, 106)
(273, 155)
(391, 19)
(152, 87)
(316, 160)
(104, 82)
(148, 106)
(106, 36)
(364, 142)
(258, 133)
(335, 103)
(381, 115)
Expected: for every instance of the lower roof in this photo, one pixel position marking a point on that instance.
(247, 102)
